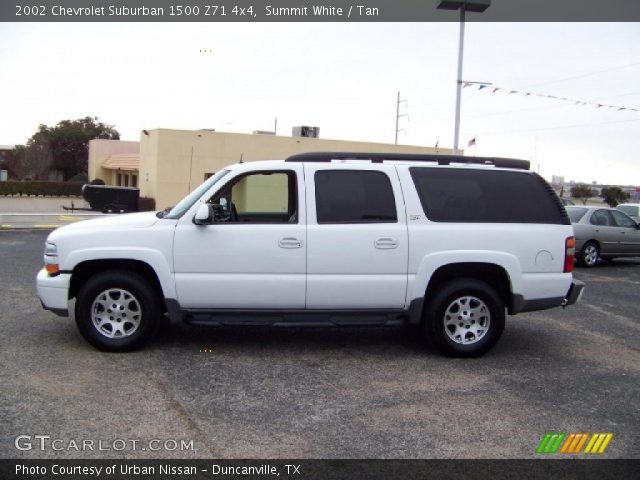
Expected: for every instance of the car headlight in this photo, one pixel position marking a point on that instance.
(50, 249)
(51, 259)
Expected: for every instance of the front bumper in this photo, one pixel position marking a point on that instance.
(54, 292)
(574, 294)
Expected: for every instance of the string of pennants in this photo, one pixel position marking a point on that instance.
(494, 89)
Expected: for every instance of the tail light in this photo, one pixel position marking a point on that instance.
(569, 254)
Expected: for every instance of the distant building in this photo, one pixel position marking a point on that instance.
(168, 164)
(6, 151)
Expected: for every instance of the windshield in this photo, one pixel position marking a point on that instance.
(576, 213)
(186, 203)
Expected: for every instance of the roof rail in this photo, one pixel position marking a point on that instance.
(412, 157)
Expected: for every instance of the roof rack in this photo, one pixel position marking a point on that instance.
(412, 157)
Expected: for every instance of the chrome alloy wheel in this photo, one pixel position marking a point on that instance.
(467, 320)
(590, 255)
(116, 313)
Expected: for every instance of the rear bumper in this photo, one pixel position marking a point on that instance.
(54, 292)
(575, 293)
(520, 305)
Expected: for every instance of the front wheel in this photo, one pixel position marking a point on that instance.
(464, 318)
(117, 311)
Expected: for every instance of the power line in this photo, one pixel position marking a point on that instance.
(559, 127)
(597, 72)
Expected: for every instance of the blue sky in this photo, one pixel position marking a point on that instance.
(343, 78)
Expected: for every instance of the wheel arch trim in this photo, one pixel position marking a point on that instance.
(151, 258)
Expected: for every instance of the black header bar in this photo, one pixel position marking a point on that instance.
(578, 469)
(313, 11)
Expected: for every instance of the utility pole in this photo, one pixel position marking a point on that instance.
(398, 102)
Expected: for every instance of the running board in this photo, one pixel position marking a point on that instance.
(295, 318)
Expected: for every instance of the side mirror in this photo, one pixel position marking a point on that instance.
(204, 215)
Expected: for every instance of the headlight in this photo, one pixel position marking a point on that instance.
(50, 249)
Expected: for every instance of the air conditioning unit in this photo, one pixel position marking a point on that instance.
(309, 132)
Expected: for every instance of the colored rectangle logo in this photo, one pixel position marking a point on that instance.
(573, 443)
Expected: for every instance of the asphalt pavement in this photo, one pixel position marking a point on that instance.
(322, 392)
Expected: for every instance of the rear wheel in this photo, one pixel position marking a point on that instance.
(464, 318)
(589, 255)
(117, 311)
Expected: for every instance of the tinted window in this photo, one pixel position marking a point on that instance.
(623, 220)
(354, 196)
(629, 209)
(488, 196)
(602, 218)
(576, 213)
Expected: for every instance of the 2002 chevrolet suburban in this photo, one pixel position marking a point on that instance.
(445, 242)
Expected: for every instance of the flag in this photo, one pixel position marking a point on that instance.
(472, 142)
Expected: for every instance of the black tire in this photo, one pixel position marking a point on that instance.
(438, 310)
(107, 287)
(589, 255)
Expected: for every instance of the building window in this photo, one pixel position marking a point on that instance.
(134, 181)
(119, 179)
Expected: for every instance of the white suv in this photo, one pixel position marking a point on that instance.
(445, 242)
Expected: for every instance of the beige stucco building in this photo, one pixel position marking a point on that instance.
(171, 163)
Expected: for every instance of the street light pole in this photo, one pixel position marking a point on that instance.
(478, 6)
(456, 137)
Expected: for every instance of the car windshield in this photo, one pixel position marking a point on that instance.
(186, 203)
(576, 213)
(631, 210)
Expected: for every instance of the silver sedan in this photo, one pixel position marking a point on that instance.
(603, 233)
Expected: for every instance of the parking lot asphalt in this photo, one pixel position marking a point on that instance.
(321, 393)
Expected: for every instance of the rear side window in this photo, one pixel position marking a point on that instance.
(354, 196)
(576, 213)
(486, 196)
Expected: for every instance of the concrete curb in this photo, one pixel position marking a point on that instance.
(42, 221)
(6, 227)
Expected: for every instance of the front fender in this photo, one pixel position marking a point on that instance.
(155, 259)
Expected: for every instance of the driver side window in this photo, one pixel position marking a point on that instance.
(258, 197)
(622, 220)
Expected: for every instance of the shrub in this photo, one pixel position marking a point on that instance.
(79, 177)
(36, 188)
(96, 181)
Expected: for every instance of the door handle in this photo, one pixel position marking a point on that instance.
(289, 242)
(386, 242)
